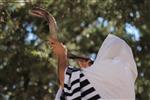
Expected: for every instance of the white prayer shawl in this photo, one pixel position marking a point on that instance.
(114, 71)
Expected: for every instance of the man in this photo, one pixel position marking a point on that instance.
(64, 93)
(112, 75)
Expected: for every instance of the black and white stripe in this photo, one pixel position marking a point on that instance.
(77, 87)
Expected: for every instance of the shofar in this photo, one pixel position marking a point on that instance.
(42, 13)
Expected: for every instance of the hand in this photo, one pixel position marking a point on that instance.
(58, 48)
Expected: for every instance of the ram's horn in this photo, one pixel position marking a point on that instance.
(42, 13)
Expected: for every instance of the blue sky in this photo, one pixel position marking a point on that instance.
(130, 29)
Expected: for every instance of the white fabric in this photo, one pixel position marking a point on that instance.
(114, 71)
(58, 94)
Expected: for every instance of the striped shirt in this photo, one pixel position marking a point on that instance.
(77, 87)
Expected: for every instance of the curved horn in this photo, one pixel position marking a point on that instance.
(53, 26)
(42, 13)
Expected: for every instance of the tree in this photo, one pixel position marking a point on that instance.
(27, 66)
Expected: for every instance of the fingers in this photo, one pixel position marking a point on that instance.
(55, 44)
(57, 47)
(53, 41)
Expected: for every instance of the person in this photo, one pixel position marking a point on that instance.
(84, 63)
(111, 76)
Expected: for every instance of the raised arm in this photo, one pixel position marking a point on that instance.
(58, 48)
(61, 53)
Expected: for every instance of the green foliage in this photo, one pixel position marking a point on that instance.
(28, 68)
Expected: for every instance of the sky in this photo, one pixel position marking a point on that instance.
(131, 29)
